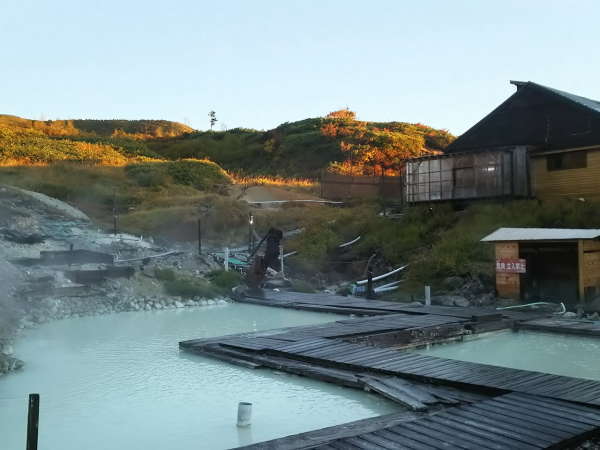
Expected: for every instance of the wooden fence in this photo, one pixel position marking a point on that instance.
(344, 187)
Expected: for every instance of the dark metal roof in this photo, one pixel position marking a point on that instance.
(535, 115)
(593, 105)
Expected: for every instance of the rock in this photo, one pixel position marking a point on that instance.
(453, 283)
(594, 316)
(484, 299)
(178, 304)
(569, 315)
(450, 300)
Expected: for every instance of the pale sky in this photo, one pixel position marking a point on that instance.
(259, 63)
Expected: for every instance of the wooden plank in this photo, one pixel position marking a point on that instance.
(573, 410)
(517, 411)
(485, 437)
(420, 441)
(395, 393)
(364, 444)
(501, 427)
(546, 411)
(513, 418)
(478, 437)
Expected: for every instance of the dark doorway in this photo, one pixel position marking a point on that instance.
(552, 272)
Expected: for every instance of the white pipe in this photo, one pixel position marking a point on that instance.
(244, 417)
(385, 289)
(281, 257)
(427, 295)
(266, 202)
(385, 275)
(290, 254)
(527, 304)
(353, 241)
(393, 283)
(226, 261)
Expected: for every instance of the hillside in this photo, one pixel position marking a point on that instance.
(302, 148)
(336, 142)
(145, 129)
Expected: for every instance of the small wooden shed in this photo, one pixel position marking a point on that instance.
(547, 264)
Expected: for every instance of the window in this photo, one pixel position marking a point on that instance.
(564, 161)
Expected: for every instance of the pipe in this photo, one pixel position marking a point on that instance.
(427, 295)
(244, 417)
(33, 420)
(353, 241)
(385, 275)
(393, 283)
(528, 304)
(226, 259)
(386, 289)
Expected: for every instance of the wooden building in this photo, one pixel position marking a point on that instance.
(547, 264)
(541, 142)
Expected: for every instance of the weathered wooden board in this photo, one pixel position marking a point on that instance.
(581, 327)
(511, 421)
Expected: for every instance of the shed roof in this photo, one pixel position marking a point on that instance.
(541, 234)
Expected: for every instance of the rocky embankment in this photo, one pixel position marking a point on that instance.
(36, 290)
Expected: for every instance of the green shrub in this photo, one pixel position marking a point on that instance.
(225, 280)
(201, 174)
(190, 288)
(165, 274)
(148, 174)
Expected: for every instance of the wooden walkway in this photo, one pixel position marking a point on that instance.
(361, 306)
(579, 327)
(511, 421)
(341, 345)
(482, 406)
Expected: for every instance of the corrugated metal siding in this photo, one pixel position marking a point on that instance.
(584, 183)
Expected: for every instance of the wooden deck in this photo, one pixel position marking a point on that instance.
(580, 327)
(360, 306)
(511, 421)
(472, 403)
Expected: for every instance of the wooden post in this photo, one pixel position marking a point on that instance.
(115, 225)
(250, 235)
(33, 418)
(199, 236)
(370, 294)
(281, 261)
(581, 270)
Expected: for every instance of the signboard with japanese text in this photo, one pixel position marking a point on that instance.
(511, 266)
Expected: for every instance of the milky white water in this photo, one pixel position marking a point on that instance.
(120, 382)
(574, 356)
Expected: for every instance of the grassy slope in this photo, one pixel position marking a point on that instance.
(437, 242)
(297, 149)
(146, 128)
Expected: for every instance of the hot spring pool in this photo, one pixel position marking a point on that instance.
(573, 356)
(120, 382)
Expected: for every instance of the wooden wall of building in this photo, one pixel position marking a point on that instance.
(589, 269)
(568, 183)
